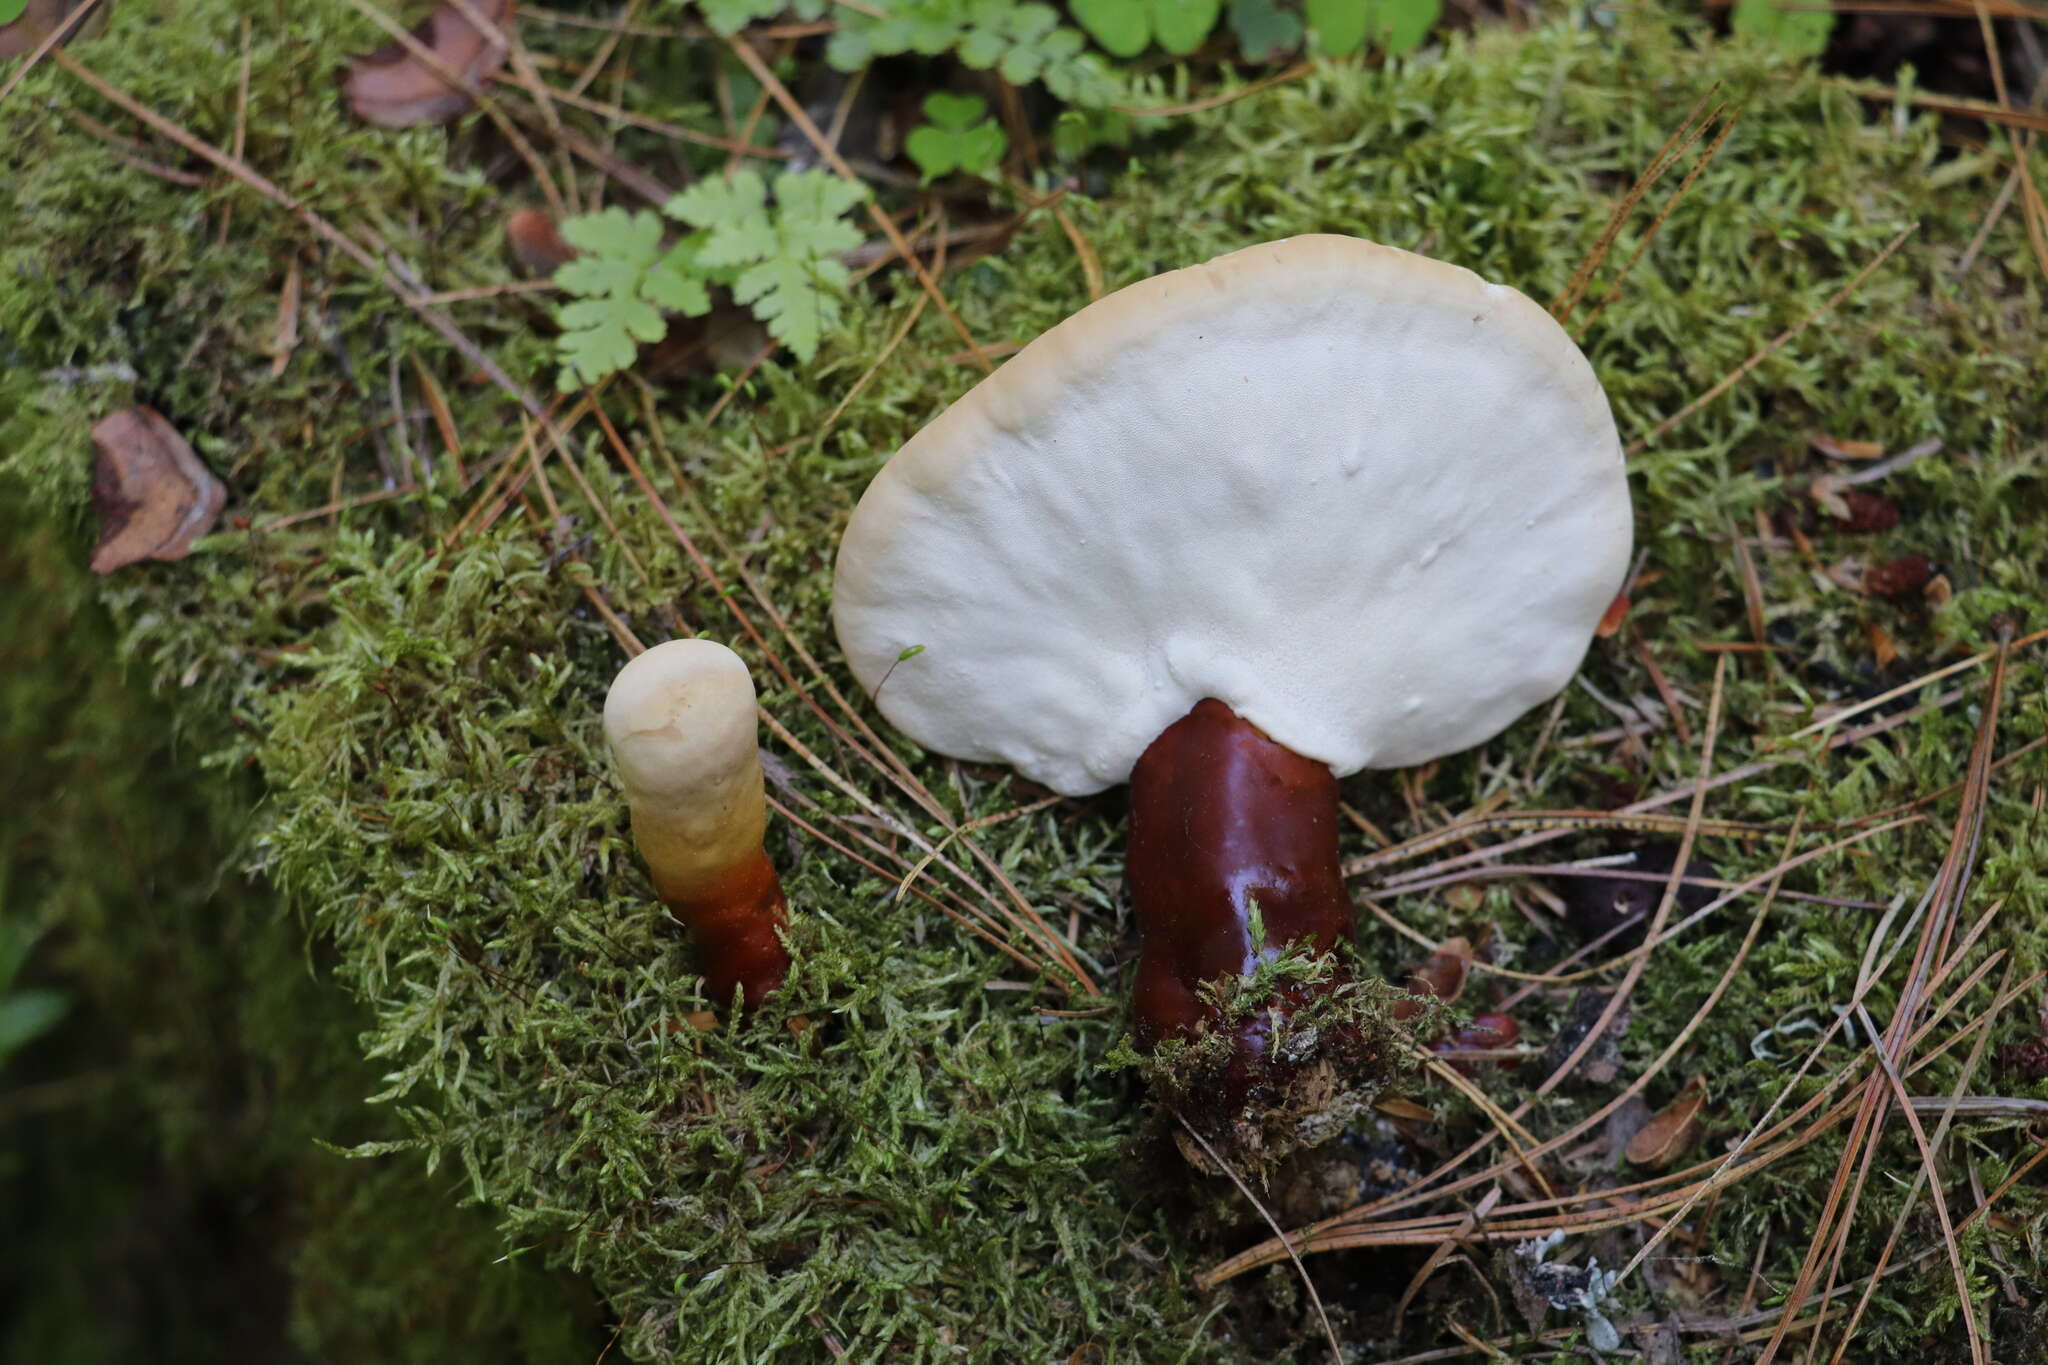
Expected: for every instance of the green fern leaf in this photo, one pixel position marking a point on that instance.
(733, 215)
(797, 298)
(783, 255)
(622, 280)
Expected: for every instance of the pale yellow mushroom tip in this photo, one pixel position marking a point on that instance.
(678, 715)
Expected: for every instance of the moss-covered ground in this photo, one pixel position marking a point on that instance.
(390, 716)
(163, 1182)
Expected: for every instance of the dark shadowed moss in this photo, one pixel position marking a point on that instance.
(938, 1170)
(161, 1182)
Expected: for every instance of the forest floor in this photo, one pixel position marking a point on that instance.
(371, 893)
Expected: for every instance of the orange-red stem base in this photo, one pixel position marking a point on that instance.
(734, 922)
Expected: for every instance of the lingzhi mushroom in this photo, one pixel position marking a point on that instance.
(1230, 534)
(681, 724)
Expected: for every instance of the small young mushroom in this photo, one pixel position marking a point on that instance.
(1230, 534)
(681, 724)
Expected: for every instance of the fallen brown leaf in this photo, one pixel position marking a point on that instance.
(1485, 1033)
(1672, 1130)
(395, 89)
(152, 495)
(1826, 492)
(729, 337)
(1442, 976)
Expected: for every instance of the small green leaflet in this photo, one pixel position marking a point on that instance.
(1401, 26)
(1796, 32)
(1182, 25)
(1398, 26)
(1263, 29)
(622, 281)
(785, 256)
(1078, 132)
(1122, 27)
(727, 17)
(1125, 28)
(26, 1014)
(1025, 42)
(960, 137)
(10, 10)
(1340, 25)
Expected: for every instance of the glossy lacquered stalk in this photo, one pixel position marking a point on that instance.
(734, 917)
(1225, 821)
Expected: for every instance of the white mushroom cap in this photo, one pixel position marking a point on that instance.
(1371, 502)
(681, 724)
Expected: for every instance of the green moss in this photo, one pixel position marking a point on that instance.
(938, 1169)
(162, 1186)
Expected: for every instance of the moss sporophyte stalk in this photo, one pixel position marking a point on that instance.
(946, 1166)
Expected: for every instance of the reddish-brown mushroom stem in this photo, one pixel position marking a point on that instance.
(1226, 823)
(734, 918)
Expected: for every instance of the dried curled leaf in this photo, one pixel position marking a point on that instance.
(395, 89)
(1672, 1130)
(152, 495)
(1488, 1032)
(1442, 976)
(1826, 492)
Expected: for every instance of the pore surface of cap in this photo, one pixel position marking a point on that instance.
(1373, 503)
